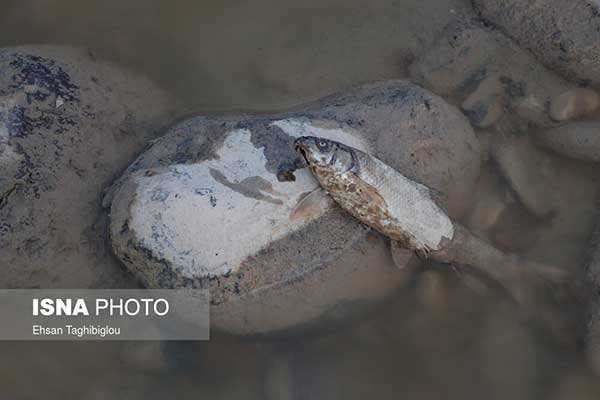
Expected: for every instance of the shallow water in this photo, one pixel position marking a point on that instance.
(438, 338)
(229, 54)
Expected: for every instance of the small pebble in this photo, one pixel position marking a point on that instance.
(573, 104)
(485, 105)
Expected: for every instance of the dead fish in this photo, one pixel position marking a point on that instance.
(377, 195)
(405, 211)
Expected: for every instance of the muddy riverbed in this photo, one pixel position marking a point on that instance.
(445, 334)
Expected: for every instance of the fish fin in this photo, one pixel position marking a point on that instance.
(312, 202)
(421, 249)
(370, 195)
(400, 255)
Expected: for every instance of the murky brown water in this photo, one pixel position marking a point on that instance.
(436, 339)
(219, 54)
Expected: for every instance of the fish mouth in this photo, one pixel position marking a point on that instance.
(300, 149)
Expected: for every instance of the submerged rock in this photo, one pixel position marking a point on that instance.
(528, 172)
(579, 140)
(492, 202)
(564, 35)
(485, 105)
(225, 203)
(68, 124)
(573, 104)
(488, 73)
(429, 141)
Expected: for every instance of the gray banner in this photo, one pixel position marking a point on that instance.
(112, 314)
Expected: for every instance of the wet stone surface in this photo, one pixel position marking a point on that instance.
(225, 203)
(565, 36)
(482, 68)
(68, 124)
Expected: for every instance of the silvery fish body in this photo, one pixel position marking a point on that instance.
(377, 195)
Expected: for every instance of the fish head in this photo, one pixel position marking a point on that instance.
(326, 155)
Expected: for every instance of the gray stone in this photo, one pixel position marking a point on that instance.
(579, 140)
(564, 35)
(430, 141)
(211, 205)
(573, 104)
(487, 71)
(485, 105)
(56, 161)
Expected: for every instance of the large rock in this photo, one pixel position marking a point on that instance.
(564, 35)
(68, 124)
(214, 204)
(488, 73)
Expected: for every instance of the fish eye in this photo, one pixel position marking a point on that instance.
(322, 144)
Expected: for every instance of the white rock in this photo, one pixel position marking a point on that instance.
(241, 204)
